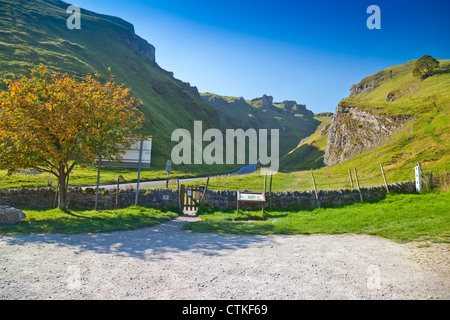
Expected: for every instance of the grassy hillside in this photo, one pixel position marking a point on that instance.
(427, 137)
(35, 32)
(424, 139)
(309, 152)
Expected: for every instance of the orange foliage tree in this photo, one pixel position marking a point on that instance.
(52, 122)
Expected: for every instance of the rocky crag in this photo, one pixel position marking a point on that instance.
(353, 131)
(293, 120)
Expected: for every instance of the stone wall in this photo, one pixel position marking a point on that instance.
(85, 198)
(304, 199)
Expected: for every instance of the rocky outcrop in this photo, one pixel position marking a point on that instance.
(141, 47)
(293, 107)
(265, 101)
(368, 84)
(353, 130)
(324, 114)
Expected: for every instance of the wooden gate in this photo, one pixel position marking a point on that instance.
(190, 197)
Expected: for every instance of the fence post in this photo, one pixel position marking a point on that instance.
(98, 182)
(179, 194)
(204, 191)
(270, 190)
(265, 182)
(430, 180)
(418, 171)
(384, 177)
(141, 146)
(182, 196)
(315, 189)
(357, 182)
(351, 179)
(270, 184)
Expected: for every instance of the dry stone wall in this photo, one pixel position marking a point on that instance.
(85, 198)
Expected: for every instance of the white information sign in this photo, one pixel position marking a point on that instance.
(251, 197)
(131, 156)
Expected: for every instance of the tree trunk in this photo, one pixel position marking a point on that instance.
(62, 189)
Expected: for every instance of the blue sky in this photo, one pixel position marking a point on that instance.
(308, 51)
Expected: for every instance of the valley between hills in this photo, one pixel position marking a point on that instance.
(390, 118)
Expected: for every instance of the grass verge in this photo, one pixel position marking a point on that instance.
(44, 221)
(399, 217)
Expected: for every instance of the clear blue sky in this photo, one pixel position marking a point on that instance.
(308, 51)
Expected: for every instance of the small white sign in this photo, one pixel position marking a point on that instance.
(169, 166)
(165, 197)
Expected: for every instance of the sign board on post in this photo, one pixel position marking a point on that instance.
(251, 197)
(130, 157)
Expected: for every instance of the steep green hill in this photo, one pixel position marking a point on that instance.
(310, 151)
(35, 32)
(394, 118)
(390, 118)
(293, 120)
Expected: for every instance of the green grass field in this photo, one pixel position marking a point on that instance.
(399, 217)
(87, 221)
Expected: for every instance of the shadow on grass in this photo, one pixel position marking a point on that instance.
(143, 243)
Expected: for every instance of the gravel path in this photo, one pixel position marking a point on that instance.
(164, 262)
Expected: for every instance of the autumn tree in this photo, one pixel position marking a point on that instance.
(425, 66)
(52, 122)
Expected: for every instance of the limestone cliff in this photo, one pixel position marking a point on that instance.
(353, 130)
(140, 46)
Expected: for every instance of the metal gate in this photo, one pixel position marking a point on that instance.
(191, 197)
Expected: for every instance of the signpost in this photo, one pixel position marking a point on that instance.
(130, 157)
(251, 197)
(139, 173)
(168, 169)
